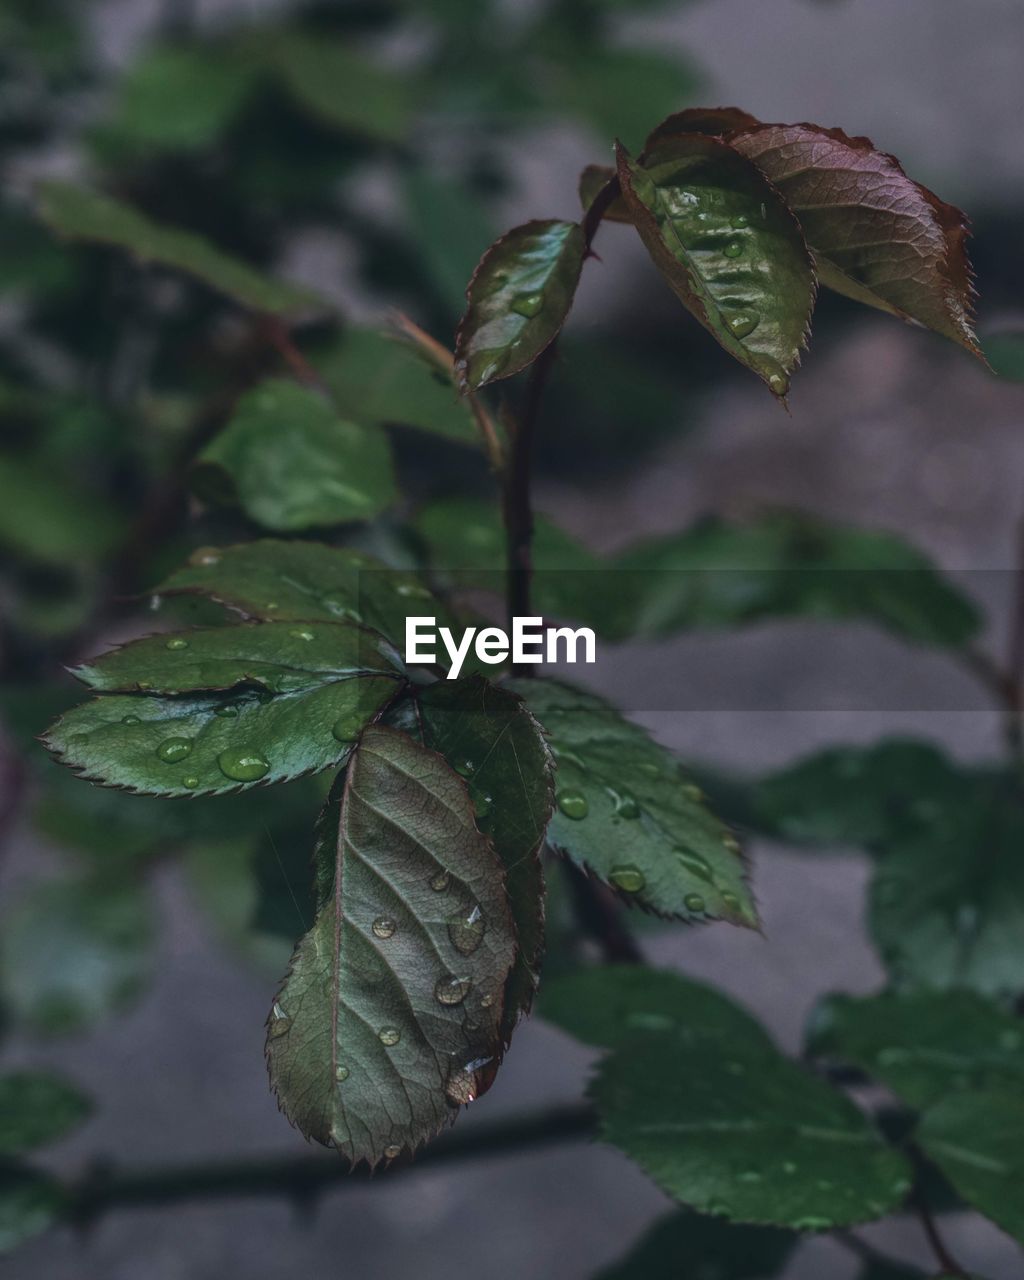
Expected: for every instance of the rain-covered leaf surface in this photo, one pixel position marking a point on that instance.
(610, 1006)
(36, 1108)
(382, 379)
(249, 705)
(74, 951)
(626, 812)
(391, 1014)
(877, 236)
(80, 214)
(292, 463)
(729, 248)
(923, 1045)
(30, 1203)
(490, 738)
(977, 1140)
(721, 1251)
(304, 582)
(729, 1127)
(517, 300)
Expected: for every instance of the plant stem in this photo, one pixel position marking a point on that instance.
(943, 1257)
(599, 915)
(305, 1177)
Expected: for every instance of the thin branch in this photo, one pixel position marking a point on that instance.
(281, 339)
(303, 1178)
(943, 1257)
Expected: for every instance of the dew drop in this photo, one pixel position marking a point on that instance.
(384, 927)
(779, 383)
(452, 990)
(743, 323)
(190, 782)
(628, 879)
(204, 557)
(626, 806)
(341, 1074)
(693, 902)
(694, 863)
(243, 765)
(173, 749)
(176, 642)
(466, 931)
(339, 608)
(573, 804)
(389, 1036)
(412, 590)
(467, 1083)
(226, 712)
(730, 902)
(693, 792)
(741, 220)
(464, 768)
(440, 881)
(302, 633)
(392, 1150)
(733, 249)
(131, 720)
(731, 843)
(348, 726)
(487, 1001)
(482, 804)
(528, 304)
(280, 1023)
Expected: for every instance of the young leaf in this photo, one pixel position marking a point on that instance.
(729, 248)
(517, 300)
(626, 813)
(74, 951)
(391, 1014)
(721, 1251)
(374, 377)
(593, 180)
(37, 1108)
(292, 463)
(877, 237)
(304, 582)
(733, 1129)
(977, 1140)
(923, 1045)
(80, 214)
(610, 1006)
(313, 697)
(30, 1203)
(489, 737)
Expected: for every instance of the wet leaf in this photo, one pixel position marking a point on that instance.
(610, 1006)
(377, 378)
(729, 248)
(923, 1045)
(74, 951)
(304, 582)
(80, 214)
(724, 1252)
(383, 1027)
(728, 1126)
(977, 1140)
(627, 814)
(877, 236)
(30, 1203)
(517, 300)
(37, 1108)
(283, 706)
(292, 463)
(489, 737)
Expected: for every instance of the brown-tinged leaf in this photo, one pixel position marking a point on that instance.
(713, 121)
(593, 180)
(878, 237)
(518, 299)
(728, 246)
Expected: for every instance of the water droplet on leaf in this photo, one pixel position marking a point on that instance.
(733, 249)
(131, 720)
(243, 765)
(694, 863)
(466, 931)
(693, 902)
(279, 1021)
(341, 1074)
(779, 383)
(392, 1150)
(451, 990)
(302, 633)
(226, 712)
(467, 1083)
(384, 927)
(205, 557)
(628, 879)
(626, 806)
(440, 881)
(176, 642)
(743, 323)
(190, 782)
(573, 804)
(173, 749)
(528, 304)
(389, 1036)
(349, 725)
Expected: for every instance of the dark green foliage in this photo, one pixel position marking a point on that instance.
(37, 1108)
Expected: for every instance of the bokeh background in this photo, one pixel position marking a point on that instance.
(493, 110)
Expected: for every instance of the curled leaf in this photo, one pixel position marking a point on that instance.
(518, 299)
(713, 121)
(728, 246)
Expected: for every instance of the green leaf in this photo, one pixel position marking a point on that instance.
(518, 300)
(731, 1128)
(627, 814)
(50, 521)
(729, 248)
(790, 565)
(490, 738)
(292, 463)
(343, 87)
(303, 582)
(977, 1140)
(877, 237)
(80, 214)
(312, 698)
(923, 1046)
(680, 1242)
(382, 379)
(384, 1026)
(947, 903)
(593, 180)
(610, 1006)
(180, 98)
(74, 951)
(36, 1109)
(30, 1203)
